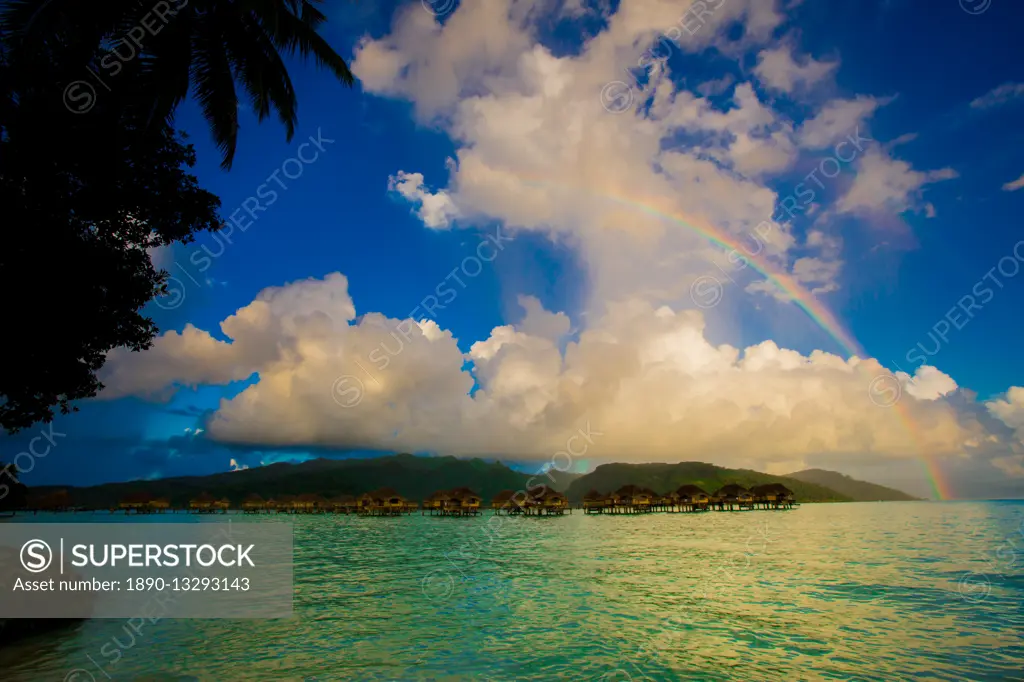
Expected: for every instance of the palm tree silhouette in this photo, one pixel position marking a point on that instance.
(202, 46)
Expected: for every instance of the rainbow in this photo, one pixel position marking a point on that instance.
(805, 300)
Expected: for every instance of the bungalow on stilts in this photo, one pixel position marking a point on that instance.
(435, 503)
(632, 499)
(342, 504)
(772, 496)
(202, 504)
(464, 502)
(595, 503)
(691, 498)
(254, 504)
(545, 501)
(505, 503)
(382, 502)
(733, 496)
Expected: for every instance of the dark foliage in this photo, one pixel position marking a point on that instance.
(205, 47)
(83, 197)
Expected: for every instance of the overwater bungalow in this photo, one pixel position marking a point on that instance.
(621, 499)
(464, 502)
(342, 504)
(553, 502)
(773, 496)
(658, 502)
(202, 504)
(505, 502)
(254, 504)
(382, 502)
(645, 499)
(285, 504)
(632, 499)
(544, 501)
(595, 502)
(691, 498)
(733, 496)
(158, 505)
(308, 503)
(435, 503)
(393, 503)
(134, 502)
(454, 502)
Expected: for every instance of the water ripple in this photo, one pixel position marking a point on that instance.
(893, 591)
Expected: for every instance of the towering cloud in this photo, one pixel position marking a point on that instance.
(647, 378)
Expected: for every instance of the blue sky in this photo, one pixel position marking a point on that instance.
(888, 272)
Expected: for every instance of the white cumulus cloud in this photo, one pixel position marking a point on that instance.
(647, 377)
(884, 183)
(436, 209)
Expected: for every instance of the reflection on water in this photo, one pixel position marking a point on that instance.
(871, 591)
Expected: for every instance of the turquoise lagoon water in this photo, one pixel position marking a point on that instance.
(869, 591)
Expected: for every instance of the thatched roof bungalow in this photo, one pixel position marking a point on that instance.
(772, 495)
(281, 503)
(343, 503)
(655, 498)
(134, 502)
(382, 502)
(364, 502)
(464, 501)
(554, 501)
(203, 502)
(504, 501)
(594, 501)
(623, 496)
(455, 502)
(691, 494)
(732, 491)
(253, 503)
(308, 503)
(777, 489)
(633, 497)
(388, 497)
(544, 500)
(436, 501)
(689, 497)
(733, 494)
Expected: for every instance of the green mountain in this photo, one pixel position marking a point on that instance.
(860, 491)
(663, 478)
(413, 477)
(416, 477)
(562, 480)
